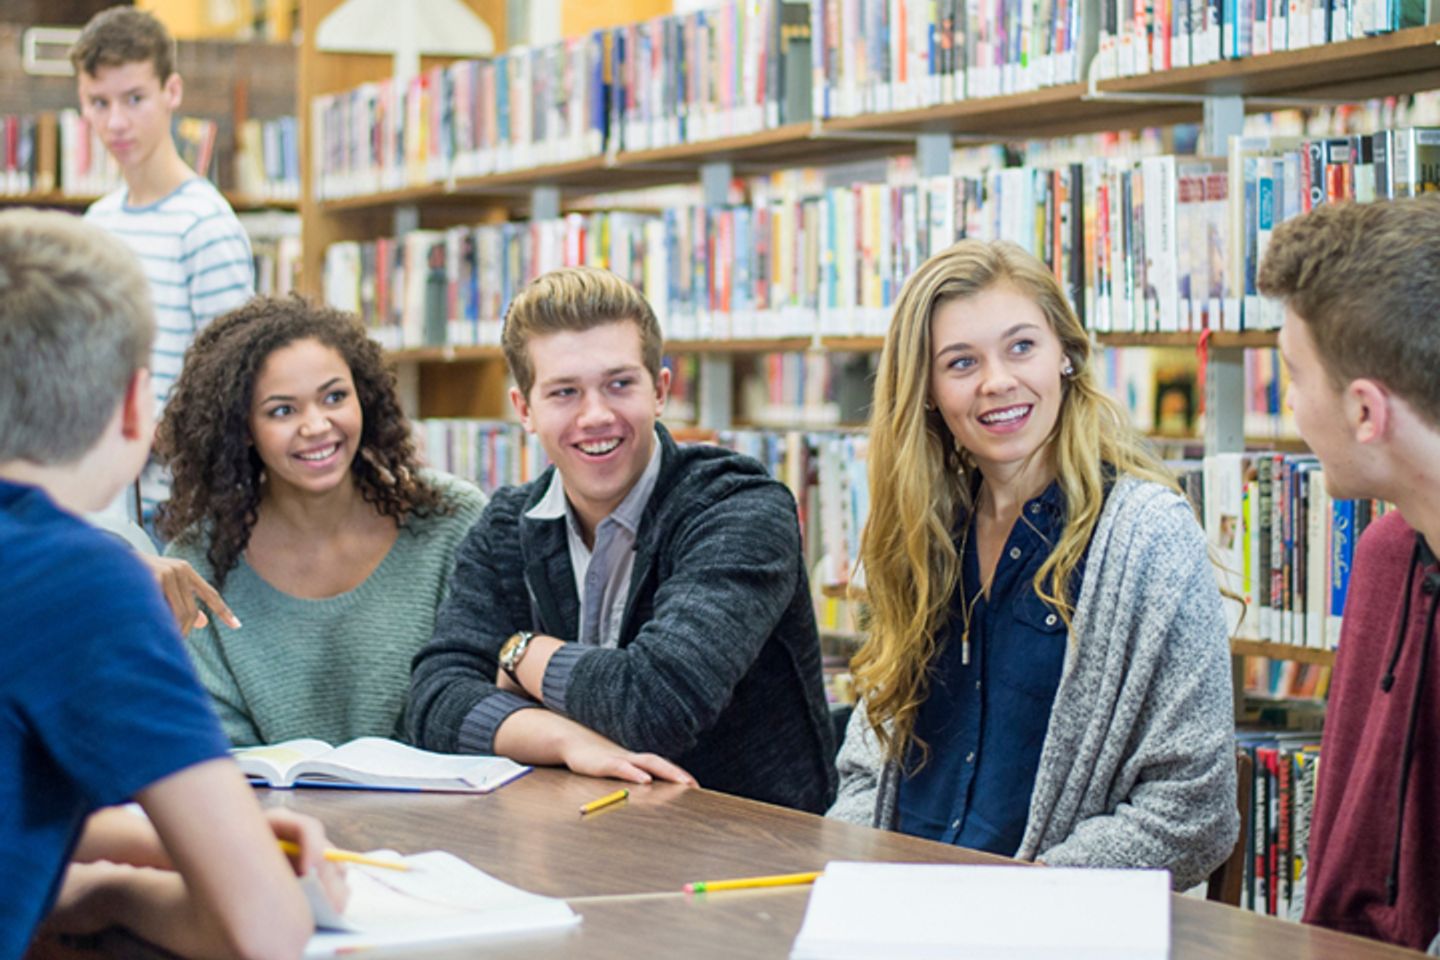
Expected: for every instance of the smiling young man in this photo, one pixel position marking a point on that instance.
(193, 250)
(1361, 339)
(641, 610)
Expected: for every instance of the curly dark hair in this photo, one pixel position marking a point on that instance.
(205, 435)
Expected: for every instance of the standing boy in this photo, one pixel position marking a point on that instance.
(194, 251)
(1361, 339)
(100, 703)
(641, 609)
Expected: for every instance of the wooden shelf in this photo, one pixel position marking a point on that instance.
(777, 345)
(241, 203)
(1390, 64)
(445, 355)
(51, 198)
(1282, 651)
(238, 202)
(1247, 339)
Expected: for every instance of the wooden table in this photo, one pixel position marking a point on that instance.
(622, 869)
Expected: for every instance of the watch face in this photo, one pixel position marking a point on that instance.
(507, 651)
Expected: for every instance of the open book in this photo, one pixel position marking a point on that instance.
(374, 764)
(441, 898)
(930, 911)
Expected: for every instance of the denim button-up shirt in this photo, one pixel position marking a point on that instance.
(985, 721)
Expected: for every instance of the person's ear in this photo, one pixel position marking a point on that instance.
(662, 390)
(522, 409)
(1368, 410)
(174, 89)
(137, 408)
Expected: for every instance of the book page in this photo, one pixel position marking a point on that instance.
(441, 898)
(896, 910)
(273, 762)
(372, 760)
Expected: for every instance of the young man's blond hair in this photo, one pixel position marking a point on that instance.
(574, 300)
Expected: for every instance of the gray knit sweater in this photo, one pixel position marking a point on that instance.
(336, 668)
(1138, 765)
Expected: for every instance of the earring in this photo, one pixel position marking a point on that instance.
(1068, 370)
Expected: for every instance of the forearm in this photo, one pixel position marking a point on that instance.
(151, 903)
(235, 880)
(120, 836)
(536, 737)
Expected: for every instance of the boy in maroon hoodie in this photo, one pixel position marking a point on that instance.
(1361, 339)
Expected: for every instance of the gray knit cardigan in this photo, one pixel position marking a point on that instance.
(1138, 765)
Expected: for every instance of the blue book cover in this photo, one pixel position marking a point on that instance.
(1342, 555)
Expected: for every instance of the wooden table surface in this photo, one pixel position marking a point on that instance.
(622, 869)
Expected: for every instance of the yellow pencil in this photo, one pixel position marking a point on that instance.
(604, 801)
(749, 883)
(347, 856)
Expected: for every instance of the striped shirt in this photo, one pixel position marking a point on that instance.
(197, 258)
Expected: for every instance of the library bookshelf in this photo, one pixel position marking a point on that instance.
(470, 381)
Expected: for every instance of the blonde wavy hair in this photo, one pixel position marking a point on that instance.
(919, 486)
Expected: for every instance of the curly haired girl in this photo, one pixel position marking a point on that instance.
(299, 494)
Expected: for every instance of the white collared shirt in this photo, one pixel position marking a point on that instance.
(602, 574)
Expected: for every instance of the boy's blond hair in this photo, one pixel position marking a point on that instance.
(75, 326)
(575, 299)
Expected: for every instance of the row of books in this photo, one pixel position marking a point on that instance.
(875, 56)
(54, 153)
(793, 390)
(1154, 244)
(733, 69)
(59, 152)
(489, 453)
(1283, 544)
(267, 159)
(1282, 177)
(1160, 388)
(524, 107)
(1143, 37)
(1285, 769)
(721, 72)
(195, 142)
(430, 287)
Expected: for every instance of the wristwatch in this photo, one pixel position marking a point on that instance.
(513, 651)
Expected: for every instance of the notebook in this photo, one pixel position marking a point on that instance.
(929, 911)
(374, 764)
(441, 899)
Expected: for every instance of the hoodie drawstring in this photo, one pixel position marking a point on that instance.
(1431, 588)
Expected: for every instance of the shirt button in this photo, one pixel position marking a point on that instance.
(970, 757)
(1050, 620)
(1014, 553)
(977, 684)
(1034, 508)
(955, 825)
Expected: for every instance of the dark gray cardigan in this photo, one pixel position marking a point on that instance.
(718, 662)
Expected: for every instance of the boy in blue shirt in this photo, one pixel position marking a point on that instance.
(98, 703)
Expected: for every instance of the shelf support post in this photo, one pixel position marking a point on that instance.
(717, 372)
(1224, 118)
(1225, 401)
(932, 154)
(545, 203)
